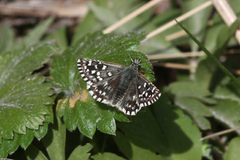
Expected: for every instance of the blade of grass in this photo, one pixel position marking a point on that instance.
(225, 70)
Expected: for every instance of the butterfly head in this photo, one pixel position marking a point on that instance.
(136, 64)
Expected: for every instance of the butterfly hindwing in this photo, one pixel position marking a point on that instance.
(147, 92)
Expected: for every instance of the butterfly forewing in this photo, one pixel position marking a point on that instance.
(100, 77)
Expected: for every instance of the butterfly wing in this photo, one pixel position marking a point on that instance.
(147, 92)
(100, 78)
(141, 93)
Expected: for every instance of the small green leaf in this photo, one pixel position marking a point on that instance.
(81, 152)
(233, 150)
(17, 64)
(230, 91)
(26, 103)
(190, 101)
(227, 111)
(42, 131)
(60, 37)
(188, 89)
(107, 156)
(55, 140)
(196, 109)
(34, 35)
(34, 153)
(88, 25)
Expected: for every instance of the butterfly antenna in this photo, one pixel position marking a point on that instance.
(127, 51)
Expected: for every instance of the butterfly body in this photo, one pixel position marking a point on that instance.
(114, 84)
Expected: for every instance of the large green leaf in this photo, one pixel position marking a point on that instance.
(77, 107)
(24, 104)
(19, 63)
(170, 132)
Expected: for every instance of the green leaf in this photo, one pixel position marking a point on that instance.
(60, 37)
(33, 153)
(8, 146)
(18, 64)
(170, 133)
(77, 107)
(87, 115)
(233, 150)
(89, 24)
(26, 103)
(55, 140)
(196, 109)
(230, 91)
(145, 126)
(180, 134)
(190, 101)
(193, 89)
(35, 35)
(107, 156)
(64, 73)
(135, 148)
(227, 111)
(81, 152)
(7, 38)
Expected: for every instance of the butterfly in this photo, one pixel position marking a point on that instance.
(125, 88)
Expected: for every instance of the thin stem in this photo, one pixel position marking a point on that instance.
(225, 70)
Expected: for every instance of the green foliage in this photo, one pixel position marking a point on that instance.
(56, 118)
(25, 102)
